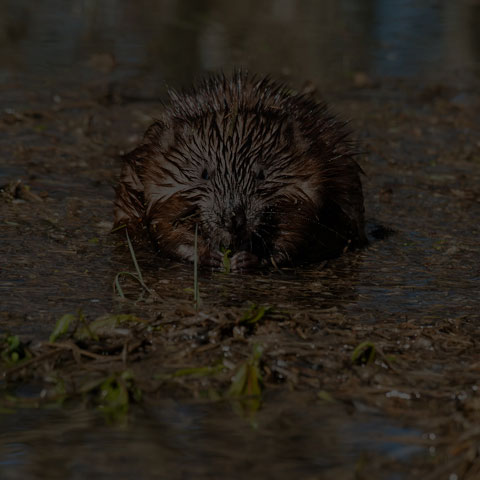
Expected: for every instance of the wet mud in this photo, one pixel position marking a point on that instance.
(385, 337)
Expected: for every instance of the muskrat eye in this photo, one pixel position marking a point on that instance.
(261, 176)
(205, 175)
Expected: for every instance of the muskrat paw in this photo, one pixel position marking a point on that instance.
(213, 260)
(242, 261)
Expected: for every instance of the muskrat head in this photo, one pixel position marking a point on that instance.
(234, 175)
(232, 212)
(230, 158)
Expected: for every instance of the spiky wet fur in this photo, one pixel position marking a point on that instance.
(259, 168)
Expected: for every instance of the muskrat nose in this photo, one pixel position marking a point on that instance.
(239, 221)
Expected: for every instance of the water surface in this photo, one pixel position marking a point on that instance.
(79, 83)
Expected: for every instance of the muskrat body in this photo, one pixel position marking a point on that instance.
(256, 169)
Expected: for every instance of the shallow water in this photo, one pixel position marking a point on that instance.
(80, 81)
(295, 435)
(66, 42)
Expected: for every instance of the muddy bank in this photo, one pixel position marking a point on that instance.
(389, 331)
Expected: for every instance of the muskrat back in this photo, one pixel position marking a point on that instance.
(263, 172)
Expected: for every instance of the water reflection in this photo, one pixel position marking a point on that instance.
(410, 36)
(174, 40)
(195, 440)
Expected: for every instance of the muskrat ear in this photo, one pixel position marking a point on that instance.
(294, 136)
(159, 133)
(153, 132)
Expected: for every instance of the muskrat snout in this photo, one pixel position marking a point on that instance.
(232, 229)
(236, 228)
(238, 222)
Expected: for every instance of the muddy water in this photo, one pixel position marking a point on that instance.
(192, 441)
(80, 81)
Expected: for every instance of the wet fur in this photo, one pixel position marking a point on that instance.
(259, 169)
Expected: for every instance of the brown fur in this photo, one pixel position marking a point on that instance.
(261, 171)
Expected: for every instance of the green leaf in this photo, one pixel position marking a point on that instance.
(246, 389)
(247, 380)
(226, 260)
(255, 313)
(325, 396)
(113, 394)
(114, 399)
(364, 353)
(13, 350)
(62, 326)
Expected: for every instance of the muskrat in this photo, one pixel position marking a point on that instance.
(253, 168)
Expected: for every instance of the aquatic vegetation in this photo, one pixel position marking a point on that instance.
(114, 395)
(137, 275)
(247, 381)
(226, 260)
(77, 327)
(198, 371)
(255, 313)
(12, 350)
(63, 325)
(364, 353)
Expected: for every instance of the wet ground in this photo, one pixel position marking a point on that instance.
(364, 367)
